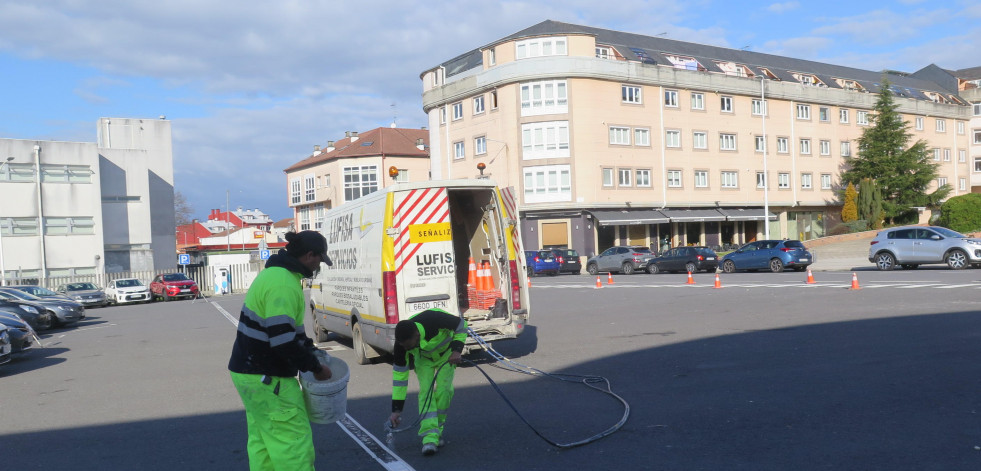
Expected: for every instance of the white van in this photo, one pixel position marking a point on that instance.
(407, 248)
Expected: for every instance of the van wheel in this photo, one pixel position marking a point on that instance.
(360, 355)
(319, 333)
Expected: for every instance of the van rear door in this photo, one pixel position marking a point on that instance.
(425, 264)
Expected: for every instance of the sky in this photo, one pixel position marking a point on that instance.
(250, 86)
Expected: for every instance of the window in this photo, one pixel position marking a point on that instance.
(977, 136)
(730, 179)
(548, 183)
(960, 127)
(493, 100)
(701, 178)
(783, 145)
(760, 179)
(962, 156)
(18, 227)
(17, 172)
(672, 138)
(946, 155)
(824, 114)
(630, 94)
(825, 181)
(642, 136)
(295, 190)
(783, 180)
(545, 140)
(727, 141)
(457, 111)
(63, 173)
(619, 135)
(310, 193)
(759, 107)
(624, 177)
(304, 218)
(977, 164)
(825, 147)
(359, 181)
(480, 145)
(846, 149)
(941, 125)
(698, 101)
(843, 116)
(962, 184)
(941, 182)
(977, 108)
(540, 47)
(643, 178)
(604, 53)
(919, 123)
(402, 177)
(674, 178)
(69, 225)
(803, 111)
(805, 181)
(725, 103)
(671, 98)
(936, 154)
(760, 143)
(545, 97)
(492, 56)
(459, 152)
(862, 117)
(805, 146)
(699, 139)
(607, 177)
(442, 115)
(478, 104)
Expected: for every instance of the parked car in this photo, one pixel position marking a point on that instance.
(541, 261)
(623, 259)
(127, 290)
(688, 259)
(21, 334)
(65, 311)
(568, 260)
(774, 255)
(39, 291)
(912, 246)
(4, 345)
(173, 285)
(88, 294)
(36, 315)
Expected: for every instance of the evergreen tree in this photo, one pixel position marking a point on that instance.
(903, 174)
(875, 215)
(865, 199)
(849, 212)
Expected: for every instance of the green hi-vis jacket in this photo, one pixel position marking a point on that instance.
(440, 333)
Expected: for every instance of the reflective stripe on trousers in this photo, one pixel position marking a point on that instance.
(279, 429)
(434, 415)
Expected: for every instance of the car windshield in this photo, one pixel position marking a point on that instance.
(641, 249)
(704, 251)
(947, 232)
(80, 286)
(38, 291)
(128, 283)
(15, 293)
(175, 277)
(545, 254)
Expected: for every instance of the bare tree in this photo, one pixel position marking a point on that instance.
(182, 209)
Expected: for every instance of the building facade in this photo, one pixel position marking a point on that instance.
(617, 138)
(969, 86)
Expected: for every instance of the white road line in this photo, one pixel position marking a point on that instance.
(384, 456)
(928, 285)
(959, 286)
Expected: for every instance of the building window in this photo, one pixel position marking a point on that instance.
(960, 127)
(493, 100)
(919, 123)
(962, 156)
(63, 173)
(941, 182)
(977, 108)
(783, 145)
(643, 178)
(17, 172)
(783, 180)
(359, 181)
(18, 227)
(305, 218)
(478, 104)
(977, 136)
(459, 151)
(825, 147)
(630, 94)
(936, 154)
(672, 138)
(824, 114)
(480, 145)
(295, 190)
(546, 97)
(492, 56)
(977, 164)
(759, 107)
(701, 179)
(946, 155)
(69, 225)
(846, 149)
(442, 115)
(760, 143)
(805, 146)
(698, 101)
(619, 135)
(624, 175)
(962, 184)
(674, 178)
(539, 47)
(549, 183)
(760, 179)
(730, 179)
(825, 181)
(671, 98)
(725, 104)
(607, 177)
(310, 193)
(805, 181)
(843, 116)
(544, 140)
(604, 53)
(727, 141)
(941, 125)
(457, 111)
(699, 140)
(803, 111)
(642, 137)
(403, 176)
(862, 118)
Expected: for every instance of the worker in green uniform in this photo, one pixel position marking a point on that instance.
(430, 342)
(270, 348)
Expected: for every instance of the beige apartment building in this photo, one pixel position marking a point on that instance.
(352, 167)
(969, 86)
(617, 138)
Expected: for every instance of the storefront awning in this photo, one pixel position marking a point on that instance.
(693, 215)
(628, 217)
(746, 214)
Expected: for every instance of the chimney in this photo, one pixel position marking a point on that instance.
(330, 146)
(347, 133)
(316, 150)
(420, 145)
(423, 128)
(354, 136)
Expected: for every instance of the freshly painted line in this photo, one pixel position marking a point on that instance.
(959, 286)
(928, 285)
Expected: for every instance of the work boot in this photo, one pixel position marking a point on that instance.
(428, 449)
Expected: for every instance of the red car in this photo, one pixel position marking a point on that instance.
(173, 285)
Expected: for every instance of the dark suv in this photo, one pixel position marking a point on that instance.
(568, 260)
(541, 261)
(690, 259)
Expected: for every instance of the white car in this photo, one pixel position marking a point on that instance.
(127, 290)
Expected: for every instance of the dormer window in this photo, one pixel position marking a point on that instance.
(539, 47)
(808, 79)
(769, 75)
(732, 68)
(682, 62)
(849, 85)
(604, 52)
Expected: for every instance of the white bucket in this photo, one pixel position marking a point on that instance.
(326, 400)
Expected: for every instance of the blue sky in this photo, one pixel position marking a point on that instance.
(251, 86)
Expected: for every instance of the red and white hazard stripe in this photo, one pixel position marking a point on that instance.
(425, 206)
(511, 205)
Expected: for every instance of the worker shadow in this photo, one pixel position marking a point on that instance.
(522, 346)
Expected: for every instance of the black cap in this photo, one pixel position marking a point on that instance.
(308, 241)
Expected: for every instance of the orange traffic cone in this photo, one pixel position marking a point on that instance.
(810, 277)
(718, 282)
(472, 299)
(690, 280)
(609, 278)
(472, 274)
(854, 282)
(529, 282)
(599, 284)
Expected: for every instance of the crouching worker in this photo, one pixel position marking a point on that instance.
(270, 347)
(431, 343)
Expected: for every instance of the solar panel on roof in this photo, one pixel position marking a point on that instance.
(367, 144)
(643, 56)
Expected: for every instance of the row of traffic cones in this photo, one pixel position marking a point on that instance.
(481, 293)
(718, 281)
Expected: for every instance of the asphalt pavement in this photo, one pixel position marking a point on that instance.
(848, 255)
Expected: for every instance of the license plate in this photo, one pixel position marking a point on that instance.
(549, 260)
(187, 290)
(709, 258)
(805, 259)
(427, 305)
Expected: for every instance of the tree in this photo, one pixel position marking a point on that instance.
(849, 212)
(182, 209)
(902, 173)
(870, 203)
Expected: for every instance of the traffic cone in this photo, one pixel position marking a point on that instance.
(854, 282)
(609, 278)
(690, 281)
(810, 277)
(472, 274)
(599, 284)
(472, 300)
(718, 282)
(529, 282)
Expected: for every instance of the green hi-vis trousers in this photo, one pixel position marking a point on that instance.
(433, 414)
(280, 437)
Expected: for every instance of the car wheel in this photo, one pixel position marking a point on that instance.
(729, 266)
(653, 269)
(691, 267)
(885, 261)
(776, 265)
(166, 297)
(46, 323)
(909, 266)
(360, 352)
(627, 268)
(592, 269)
(956, 260)
(531, 272)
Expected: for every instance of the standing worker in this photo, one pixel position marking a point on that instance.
(270, 347)
(430, 342)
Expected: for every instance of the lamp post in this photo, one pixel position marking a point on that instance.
(228, 224)
(3, 268)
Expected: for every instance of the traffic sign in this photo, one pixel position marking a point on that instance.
(183, 259)
(263, 255)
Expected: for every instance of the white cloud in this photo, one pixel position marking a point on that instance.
(783, 7)
(809, 47)
(882, 26)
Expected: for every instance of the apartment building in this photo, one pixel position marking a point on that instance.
(352, 167)
(969, 87)
(618, 138)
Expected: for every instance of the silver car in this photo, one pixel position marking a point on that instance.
(66, 311)
(88, 294)
(5, 348)
(127, 290)
(623, 259)
(912, 246)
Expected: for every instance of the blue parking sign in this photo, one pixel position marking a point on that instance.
(183, 259)
(263, 255)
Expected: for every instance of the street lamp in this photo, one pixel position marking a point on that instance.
(3, 268)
